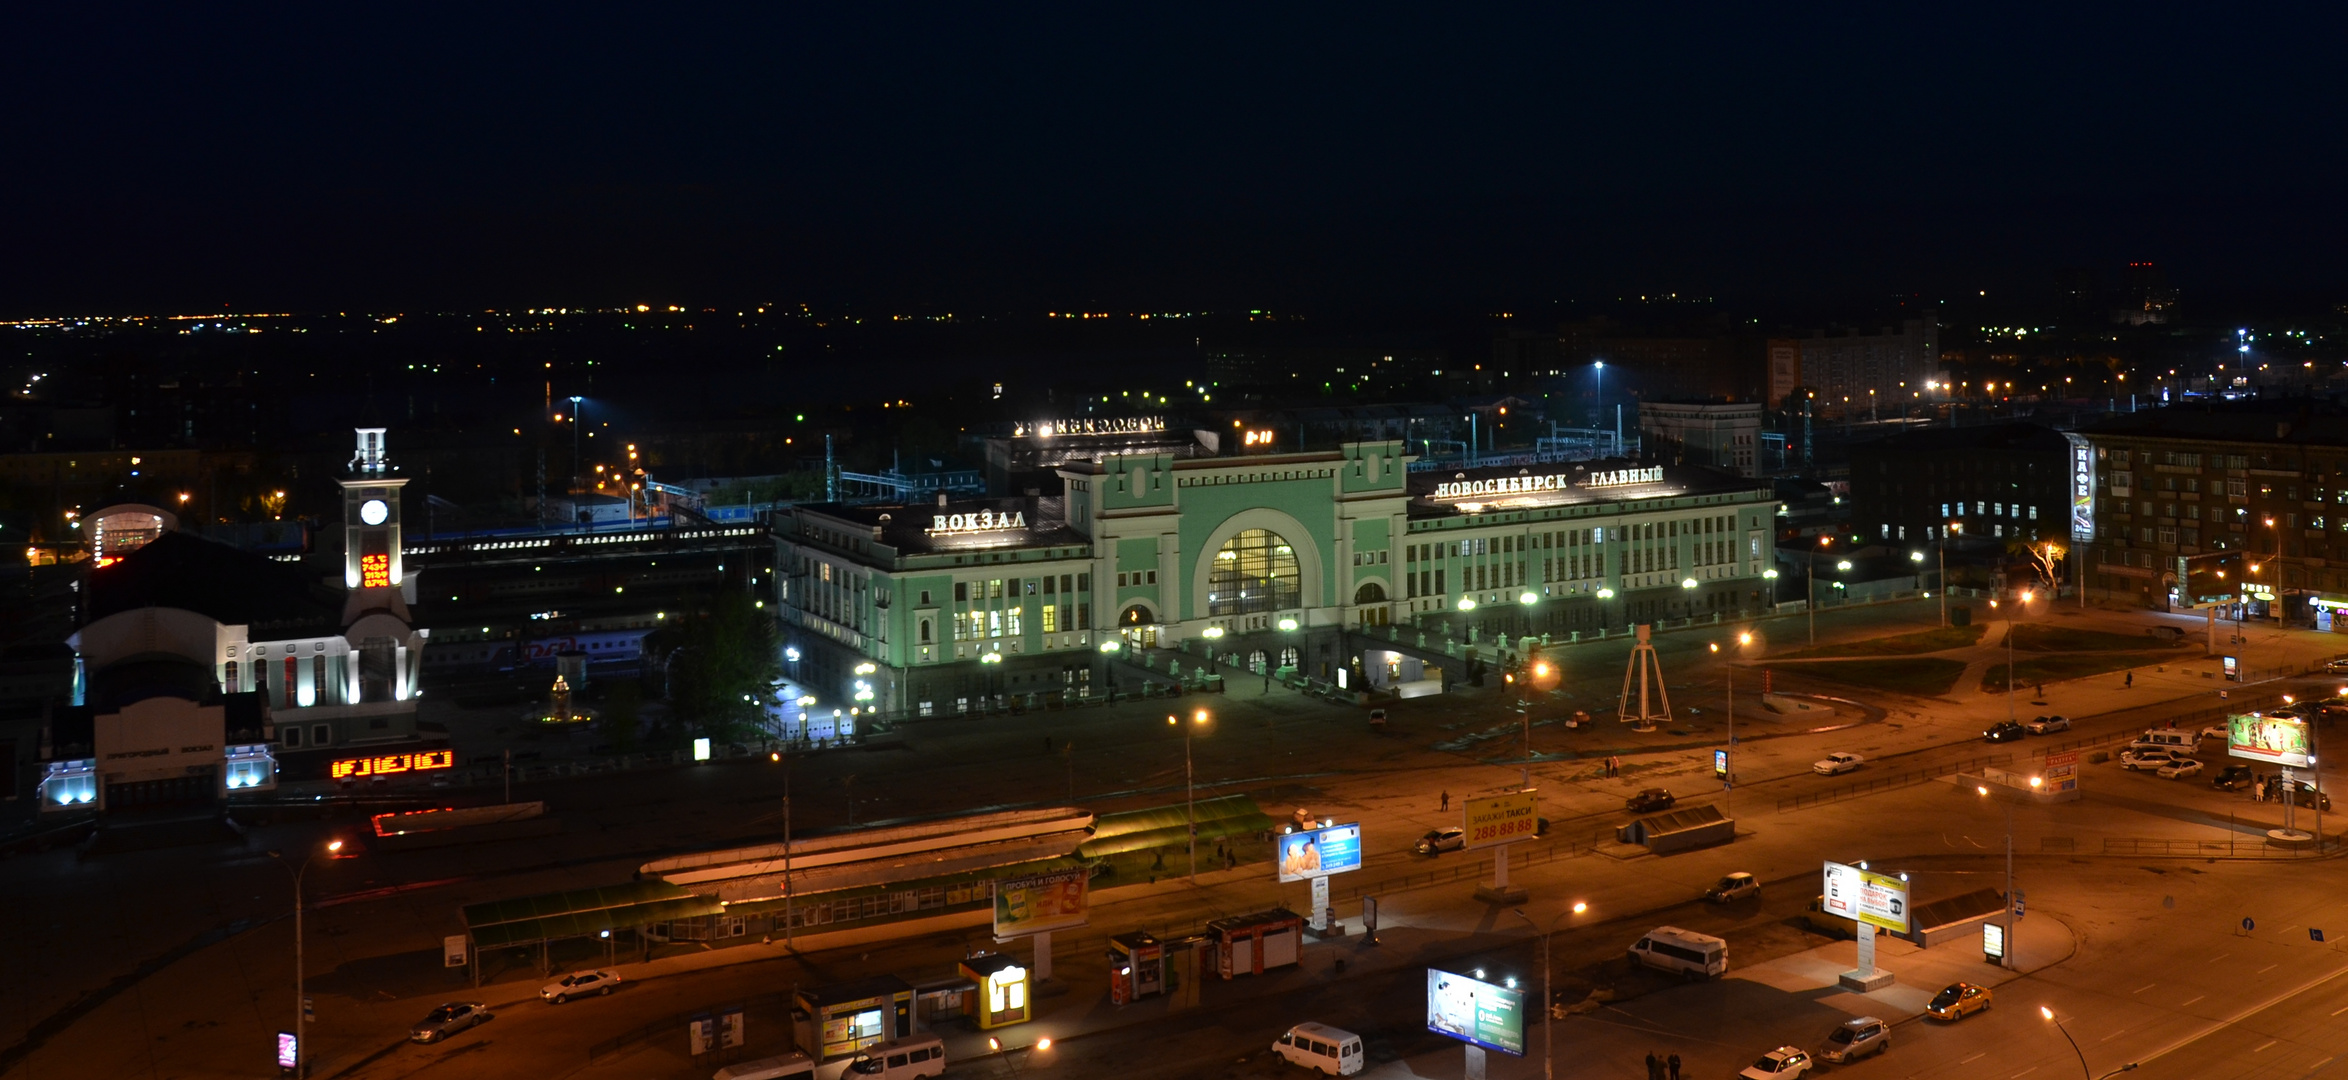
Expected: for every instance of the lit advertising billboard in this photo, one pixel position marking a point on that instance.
(2276, 740)
(1475, 1011)
(1502, 819)
(2082, 488)
(1045, 902)
(1863, 896)
(1320, 852)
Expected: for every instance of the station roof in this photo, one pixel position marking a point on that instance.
(1456, 492)
(176, 570)
(581, 912)
(963, 525)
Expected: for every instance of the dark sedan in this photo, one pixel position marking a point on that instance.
(2009, 731)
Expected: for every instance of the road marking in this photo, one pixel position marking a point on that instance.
(2268, 968)
(2196, 997)
(1974, 1058)
(2312, 1068)
(2145, 987)
(2114, 1035)
(2219, 957)
(2341, 1009)
(2026, 1072)
(2269, 1042)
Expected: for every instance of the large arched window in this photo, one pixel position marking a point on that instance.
(1370, 593)
(1254, 571)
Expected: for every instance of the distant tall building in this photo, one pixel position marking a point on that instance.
(2145, 296)
(1841, 368)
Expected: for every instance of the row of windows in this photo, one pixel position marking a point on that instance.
(995, 588)
(1991, 509)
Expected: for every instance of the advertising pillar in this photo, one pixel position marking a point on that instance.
(1313, 855)
(1497, 822)
(1870, 900)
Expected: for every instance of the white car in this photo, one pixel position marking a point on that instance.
(2149, 759)
(2046, 724)
(1836, 764)
(2180, 769)
(579, 984)
(1779, 1064)
(2215, 731)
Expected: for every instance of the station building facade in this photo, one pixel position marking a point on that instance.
(1299, 561)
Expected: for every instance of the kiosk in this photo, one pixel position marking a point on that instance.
(1253, 944)
(1137, 967)
(835, 1022)
(1003, 990)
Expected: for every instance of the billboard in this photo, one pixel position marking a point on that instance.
(1475, 1011)
(2062, 771)
(2276, 740)
(1502, 819)
(1871, 898)
(1045, 902)
(2082, 488)
(1316, 853)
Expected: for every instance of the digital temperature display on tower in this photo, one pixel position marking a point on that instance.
(374, 571)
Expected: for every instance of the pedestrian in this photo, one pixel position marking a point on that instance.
(2130, 682)
(1674, 1063)
(2172, 723)
(1047, 744)
(1231, 860)
(1446, 800)
(1654, 1067)
(2041, 691)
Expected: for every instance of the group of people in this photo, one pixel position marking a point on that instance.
(1664, 1068)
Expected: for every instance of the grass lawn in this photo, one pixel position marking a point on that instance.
(1922, 641)
(1924, 677)
(2042, 669)
(2038, 638)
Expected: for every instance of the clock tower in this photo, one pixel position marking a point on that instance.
(370, 518)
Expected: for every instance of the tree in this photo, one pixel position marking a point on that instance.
(2045, 560)
(723, 668)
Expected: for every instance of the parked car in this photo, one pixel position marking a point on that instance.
(1735, 886)
(2005, 731)
(2047, 724)
(2149, 758)
(2180, 769)
(1855, 1039)
(2336, 667)
(2301, 793)
(2231, 778)
(449, 1019)
(1958, 1000)
(1378, 718)
(1778, 1064)
(1442, 840)
(1651, 800)
(579, 984)
(1836, 764)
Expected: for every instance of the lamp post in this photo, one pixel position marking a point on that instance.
(1467, 604)
(1823, 541)
(1728, 782)
(301, 994)
(1548, 1003)
(575, 402)
(2007, 960)
(1189, 784)
(1917, 557)
(1214, 636)
(1528, 600)
(1946, 529)
(1687, 588)
(1598, 407)
(993, 660)
(2083, 1070)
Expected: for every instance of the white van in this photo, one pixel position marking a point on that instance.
(916, 1057)
(1669, 948)
(786, 1067)
(2165, 739)
(1321, 1048)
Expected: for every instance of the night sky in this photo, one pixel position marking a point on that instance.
(1170, 157)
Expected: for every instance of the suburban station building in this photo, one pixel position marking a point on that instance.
(2164, 499)
(1344, 566)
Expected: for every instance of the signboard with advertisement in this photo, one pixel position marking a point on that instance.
(1502, 819)
(1868, 897)
(1042, 903)
(1477, 1012)
(289, 1051)
(1720, 764)
(1321, 852)
(2082, 488)
(2062, 771)
(2276, 740)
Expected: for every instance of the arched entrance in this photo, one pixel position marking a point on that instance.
(1139, 625)
(1254, 571)
(1370, 604)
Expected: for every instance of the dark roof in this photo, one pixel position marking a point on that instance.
(178, 570)
(2024, 437)
(138, 678)
(2288, 421)
(906, 527)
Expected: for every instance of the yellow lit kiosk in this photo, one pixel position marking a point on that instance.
(1002, 990)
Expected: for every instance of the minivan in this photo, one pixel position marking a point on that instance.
(1321, 1048)
(785, 1067)
(2188, 741)
(1669, 948)
(1857, 1038)
(918, 1057)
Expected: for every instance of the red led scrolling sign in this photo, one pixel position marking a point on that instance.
(374, 571)
(390, 764)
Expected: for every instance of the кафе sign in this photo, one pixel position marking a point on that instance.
(1522, 485)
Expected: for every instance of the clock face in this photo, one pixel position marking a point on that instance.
(374, 512)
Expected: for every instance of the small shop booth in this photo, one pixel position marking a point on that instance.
(838, 1021)
(1254, 944)
(1137, 967)
(1003, 986)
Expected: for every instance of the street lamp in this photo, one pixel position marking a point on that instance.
(1812, 606)
(1528, 600)
(1468, 604)
(1946, 529)
(1687, 588)
(2083, 1070)
(993, 659)
(2007, 960)
(1728, 781)
(1189, 784)
(1214, 635)
(1548, 1003)
(575, 400)
(301, 995)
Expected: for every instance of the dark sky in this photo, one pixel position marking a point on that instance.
(324, 156)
